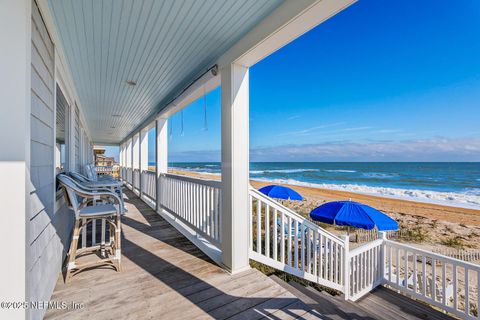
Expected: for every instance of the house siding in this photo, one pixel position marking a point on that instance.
(76, 126)
(50, 221)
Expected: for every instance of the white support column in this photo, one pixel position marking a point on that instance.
(15, 67)
(143, 155)
(125, 154)
(135, 160)
(120, 151)
(136, 151)
(120, 160)
(128, 154)
(161, 155)
(235, 167)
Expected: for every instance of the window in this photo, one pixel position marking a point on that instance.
(61, 134)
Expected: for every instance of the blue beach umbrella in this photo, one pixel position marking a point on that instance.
(353, 214)
(280, 192)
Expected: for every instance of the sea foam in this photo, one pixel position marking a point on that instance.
(282, 171)
(468, 199)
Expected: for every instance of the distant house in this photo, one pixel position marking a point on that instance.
(101, 160)
(104, 164)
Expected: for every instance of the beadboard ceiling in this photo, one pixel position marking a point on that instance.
(160, 45)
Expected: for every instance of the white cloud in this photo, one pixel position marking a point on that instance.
(437, 149)
(310, 130)
(353, 129)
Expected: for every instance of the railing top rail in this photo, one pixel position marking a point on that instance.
(209, 183)
(365, 247)
(437, 256)
(281, 207)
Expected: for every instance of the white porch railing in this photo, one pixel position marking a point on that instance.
(128, 174)
(284, 240)
(444, 282)
(195, 202)
(149, 184)
(364, 269)
(136, 179)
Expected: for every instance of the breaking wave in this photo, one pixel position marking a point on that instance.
(468, 199)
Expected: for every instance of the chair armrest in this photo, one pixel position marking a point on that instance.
(109, 194)
(102, 195)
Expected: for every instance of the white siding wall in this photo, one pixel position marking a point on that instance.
(49, 232)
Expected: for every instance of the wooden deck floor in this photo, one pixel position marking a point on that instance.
(380, 304)
(166, 277)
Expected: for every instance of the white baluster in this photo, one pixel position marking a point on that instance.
(259, 226)
(467, 291)
(455, 287)
(282, 239)
(267, 231)
(309, 251)
(444, 283)
(275, 234)
(434, 279)
(295, 253)
(424, 276)
(289, 245)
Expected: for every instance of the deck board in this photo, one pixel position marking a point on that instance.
(164, 276)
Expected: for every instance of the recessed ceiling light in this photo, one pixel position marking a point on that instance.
(131, 83)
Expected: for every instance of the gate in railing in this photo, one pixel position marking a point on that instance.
(364, 269)
(284, 240)
(195, 202)
(149, 184)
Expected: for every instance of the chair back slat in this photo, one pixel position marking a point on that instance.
(79, 177)
(70, 188)
(90, 172)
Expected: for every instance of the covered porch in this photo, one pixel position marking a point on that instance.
(166, 275)
(186, 243)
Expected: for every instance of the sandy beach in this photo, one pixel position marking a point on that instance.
(430, 225)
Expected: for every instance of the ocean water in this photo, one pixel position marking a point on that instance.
(455, 184)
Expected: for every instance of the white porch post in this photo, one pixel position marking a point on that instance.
(122, 150)
(143, 157)
(15, 35)
(135, 151)
(122, 161)
(135, 159)
(128, 159)
(161, 156)
(235, 167)
(120, 147)
(125, 154)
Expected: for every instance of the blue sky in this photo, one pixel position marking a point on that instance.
(381, 81)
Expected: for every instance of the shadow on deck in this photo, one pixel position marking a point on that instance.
(166, 276)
